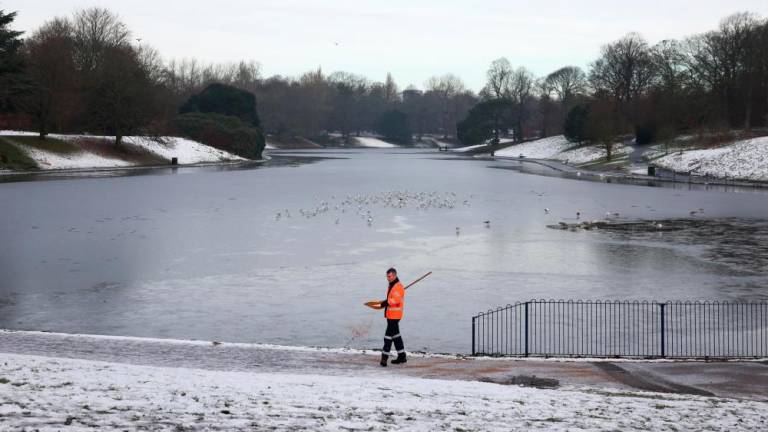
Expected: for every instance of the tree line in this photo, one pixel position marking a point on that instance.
(717, 80)
(87, 73)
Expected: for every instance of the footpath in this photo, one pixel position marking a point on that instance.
(732, 379)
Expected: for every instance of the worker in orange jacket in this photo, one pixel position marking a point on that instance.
(393, 312)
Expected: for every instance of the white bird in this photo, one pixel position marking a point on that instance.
(546, 210)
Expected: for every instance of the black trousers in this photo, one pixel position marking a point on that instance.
(393, 335)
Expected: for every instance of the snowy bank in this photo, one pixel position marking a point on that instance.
(745, 159)
(53, 393)
(187, 151)
(559, 148)
(373, 143)
(468, 148)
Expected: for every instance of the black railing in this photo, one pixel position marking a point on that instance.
(559, 328)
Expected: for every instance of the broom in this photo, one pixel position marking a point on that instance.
(376, 304)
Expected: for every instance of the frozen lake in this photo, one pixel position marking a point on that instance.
(212, 253)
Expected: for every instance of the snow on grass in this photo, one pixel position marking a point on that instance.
(582, 155)
(187, 152)
(559, 148)
(55, 393)
(373, 143)
(746, 159)
(468, 148)
(82, 159)
(545, 148)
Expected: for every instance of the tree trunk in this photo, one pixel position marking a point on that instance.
(118, 140)
(748, 106)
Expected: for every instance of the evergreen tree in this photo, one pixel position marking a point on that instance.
(575, 123)
(485, 120)
(224, 99)
(224, 117)
(394, 126)
(11, 61)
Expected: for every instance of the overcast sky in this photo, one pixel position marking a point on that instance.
(412, 39)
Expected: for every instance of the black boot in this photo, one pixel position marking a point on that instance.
(384, 359)
(400, 359)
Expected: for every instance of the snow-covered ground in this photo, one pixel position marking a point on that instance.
(559, 148)
(187, 152)
(544, 148)
(583, 155)
(51, 160)
(468, 148)
(746, 159)
(47, 394)
(374, 143)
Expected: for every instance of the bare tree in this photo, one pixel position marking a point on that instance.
(566, 83)
(348, 91)
(443, 92)
(669, 63)
(121, 102)
(521, 87)
(54, 96)
(97, 30)
(499, 76)
(551, 117)
(391, 93)
(724, 63)
(625, 68)
(150, 59)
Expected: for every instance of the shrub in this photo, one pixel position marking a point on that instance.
(575, 127)
(394, 126)
(645, 133)
(223, 132)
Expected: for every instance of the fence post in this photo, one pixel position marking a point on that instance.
(526, 329)
(663, 331)
(473, 335)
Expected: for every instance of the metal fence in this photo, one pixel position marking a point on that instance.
(560, 328)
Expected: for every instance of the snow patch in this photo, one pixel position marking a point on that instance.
(374, 143)
(745, 159)
(468, 148)
(559, 148)
(57, 393)
(545, 148)
(187, 152)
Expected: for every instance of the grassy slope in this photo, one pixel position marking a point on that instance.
(18, 160)
(14, 158)
(48, 144)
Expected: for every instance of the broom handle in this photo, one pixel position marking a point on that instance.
(417, 280)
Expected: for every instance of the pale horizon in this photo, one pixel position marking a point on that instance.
(413, 43)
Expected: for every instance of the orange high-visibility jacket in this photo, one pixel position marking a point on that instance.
(395, 302)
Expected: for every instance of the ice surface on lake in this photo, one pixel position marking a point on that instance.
(287, 253)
